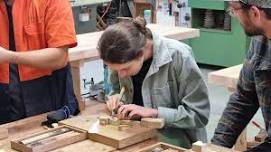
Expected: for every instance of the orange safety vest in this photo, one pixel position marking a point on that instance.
(37, 24)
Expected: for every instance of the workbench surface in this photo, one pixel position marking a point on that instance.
(87, 43)
(227, 77)
(31, 125)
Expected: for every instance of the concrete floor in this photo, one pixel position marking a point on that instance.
(219, 97)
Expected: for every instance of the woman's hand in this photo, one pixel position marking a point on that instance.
(113, 102)
(132, 111)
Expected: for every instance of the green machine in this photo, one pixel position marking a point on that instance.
(84, 14)
(222, 41)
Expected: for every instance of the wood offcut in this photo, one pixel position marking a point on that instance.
(49, 140)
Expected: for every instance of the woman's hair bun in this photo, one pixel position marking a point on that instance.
(140, 23)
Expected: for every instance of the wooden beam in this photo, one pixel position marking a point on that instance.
(157, 123)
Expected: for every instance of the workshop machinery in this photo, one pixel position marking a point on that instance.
(222, 40)
(84, 14)
(185, 13)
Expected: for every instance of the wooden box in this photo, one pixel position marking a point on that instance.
(163, 147)
(49, 140)
(112, 135)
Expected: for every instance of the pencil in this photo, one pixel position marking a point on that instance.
(114, 111)
(122, 93)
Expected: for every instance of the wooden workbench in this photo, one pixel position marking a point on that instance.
(227, 77)
(87, 50)
(31, 125)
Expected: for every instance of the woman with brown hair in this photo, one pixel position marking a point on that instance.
(161, 80)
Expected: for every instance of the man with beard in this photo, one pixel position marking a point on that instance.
(254, 85)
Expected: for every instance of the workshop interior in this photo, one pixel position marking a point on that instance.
(199, 83)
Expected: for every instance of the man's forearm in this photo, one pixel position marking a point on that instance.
(49, 58)
(235, 117)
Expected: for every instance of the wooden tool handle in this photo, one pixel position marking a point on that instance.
(115, 110)
(122, 92)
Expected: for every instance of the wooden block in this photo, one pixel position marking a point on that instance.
(110, 134)
(162, 147)
(49, 140)
(153, 122)
(123, 127)
(104, 120)
(135, 122)
(3, 133)
(126, 122)
(199, 147)
(120, 138)
(114, 121)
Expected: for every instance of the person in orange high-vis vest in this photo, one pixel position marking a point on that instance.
(35, 75)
